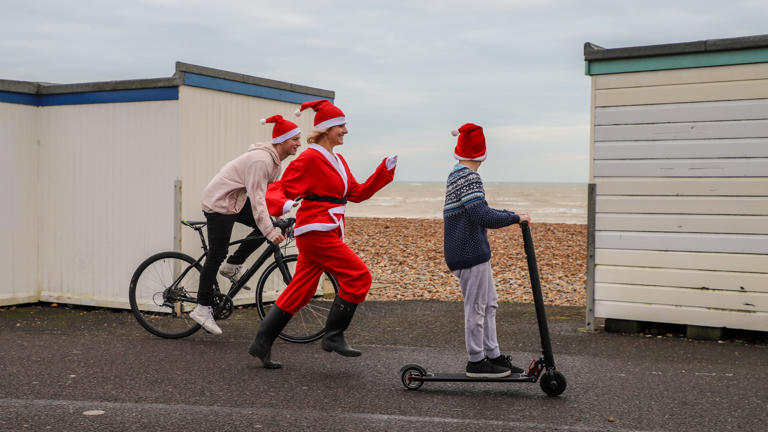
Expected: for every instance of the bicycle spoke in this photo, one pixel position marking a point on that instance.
(161, 298)
(308, 323)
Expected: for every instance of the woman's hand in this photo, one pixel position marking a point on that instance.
(524, 218)
(279, 238)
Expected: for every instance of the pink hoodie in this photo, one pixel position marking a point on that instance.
(246, 176)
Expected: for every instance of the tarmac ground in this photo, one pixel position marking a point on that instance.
(83, 369)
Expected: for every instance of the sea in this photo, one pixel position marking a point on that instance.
(544, 202)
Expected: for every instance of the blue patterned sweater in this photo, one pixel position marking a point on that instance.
(466, 219)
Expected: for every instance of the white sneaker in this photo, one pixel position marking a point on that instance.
(233, 273)
(230, 271)
(203, 315)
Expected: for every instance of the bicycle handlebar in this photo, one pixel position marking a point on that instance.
(284, 224)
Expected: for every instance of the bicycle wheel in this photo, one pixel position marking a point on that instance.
(308, 324)
(163, 292)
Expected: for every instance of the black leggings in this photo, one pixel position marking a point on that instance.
(219, 232)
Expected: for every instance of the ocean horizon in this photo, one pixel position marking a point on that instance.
(544, 202)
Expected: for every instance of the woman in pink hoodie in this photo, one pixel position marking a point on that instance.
(236, 194)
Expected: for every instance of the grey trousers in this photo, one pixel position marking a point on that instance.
(480, 304)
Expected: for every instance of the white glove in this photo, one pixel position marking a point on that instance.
(391, 162)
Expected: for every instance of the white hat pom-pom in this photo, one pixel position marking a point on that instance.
(455, 132)
(263, 121)
(297, 113)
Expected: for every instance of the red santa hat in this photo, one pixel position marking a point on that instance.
(326, 114)
(283, 129)
(471, 144)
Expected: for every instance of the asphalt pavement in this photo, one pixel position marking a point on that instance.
(78, 369)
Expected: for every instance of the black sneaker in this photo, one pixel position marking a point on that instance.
(486, 369)
(505, 361)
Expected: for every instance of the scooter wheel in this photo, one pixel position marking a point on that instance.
(553, 382)
(408, 372)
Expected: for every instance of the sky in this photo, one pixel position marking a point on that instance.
(405, 72)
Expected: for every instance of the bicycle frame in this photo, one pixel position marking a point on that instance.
(236, 286)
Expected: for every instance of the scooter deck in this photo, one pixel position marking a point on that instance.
(446, 377)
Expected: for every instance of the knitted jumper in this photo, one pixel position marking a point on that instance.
(466, 219)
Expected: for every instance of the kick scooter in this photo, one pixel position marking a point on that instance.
(543, 370)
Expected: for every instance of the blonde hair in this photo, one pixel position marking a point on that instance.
(316, 136)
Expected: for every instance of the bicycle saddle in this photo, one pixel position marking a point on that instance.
(195, 224)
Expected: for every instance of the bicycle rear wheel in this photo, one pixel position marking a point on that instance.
(308, 324)
(163, 292)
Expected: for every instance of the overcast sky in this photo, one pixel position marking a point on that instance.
(405, 72)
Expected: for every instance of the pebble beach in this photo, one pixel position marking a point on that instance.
(405, 257)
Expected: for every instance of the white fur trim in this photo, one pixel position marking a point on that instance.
(318, 226)
(330, 123)
(263, 121)
(335, 162)
(480, 159)
(286, 136)
(455, 132)
(297, 113)
(391, 162)
(288, 206)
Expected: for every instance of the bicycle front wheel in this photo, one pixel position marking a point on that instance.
(308, 324)
(163, 292)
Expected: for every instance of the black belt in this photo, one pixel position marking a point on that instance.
(328, 199)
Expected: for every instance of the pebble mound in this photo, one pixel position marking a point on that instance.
(406, 259)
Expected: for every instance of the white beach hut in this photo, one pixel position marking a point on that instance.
(96, 176)
(678, 209)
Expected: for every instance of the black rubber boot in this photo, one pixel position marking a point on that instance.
(339, 318)
(270, 327)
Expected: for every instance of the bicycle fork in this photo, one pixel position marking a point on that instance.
(287, 278)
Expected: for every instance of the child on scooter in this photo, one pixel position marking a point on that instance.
(467, 218)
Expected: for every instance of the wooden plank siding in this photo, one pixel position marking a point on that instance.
(683, 242)
(726, 167)
(680, 314)
(683, 131)
(682, 112)
(700, 92)
(680, 166)
(682, 76)
(684, 278)
(683, 223)
(682, 149)
(672, 296)
(691, 187)
(729, 262)
(684, 205)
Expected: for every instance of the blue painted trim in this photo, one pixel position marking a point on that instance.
(20, 98)
(114, 96)
(237, 87)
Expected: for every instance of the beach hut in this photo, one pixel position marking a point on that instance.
(96, 176)
(678, 202)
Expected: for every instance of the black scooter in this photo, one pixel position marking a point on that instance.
(552, 382)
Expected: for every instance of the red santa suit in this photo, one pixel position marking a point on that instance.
(326, 183)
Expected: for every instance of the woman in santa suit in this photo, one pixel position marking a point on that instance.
(323, 179)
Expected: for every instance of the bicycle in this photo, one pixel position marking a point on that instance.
(163, 290)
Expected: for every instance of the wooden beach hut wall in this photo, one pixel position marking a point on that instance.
(678, 208)
(96, 176)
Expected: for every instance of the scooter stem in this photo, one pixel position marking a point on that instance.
(538, 300)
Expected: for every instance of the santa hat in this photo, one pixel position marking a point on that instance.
(326, 114)
(471, 144)
(283, 129)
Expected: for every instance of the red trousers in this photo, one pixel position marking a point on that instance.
(321, 251)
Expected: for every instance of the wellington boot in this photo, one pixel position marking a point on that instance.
(270, 328)
(339, 318)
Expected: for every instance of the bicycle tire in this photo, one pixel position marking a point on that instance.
(308, 324)
(164, 313)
